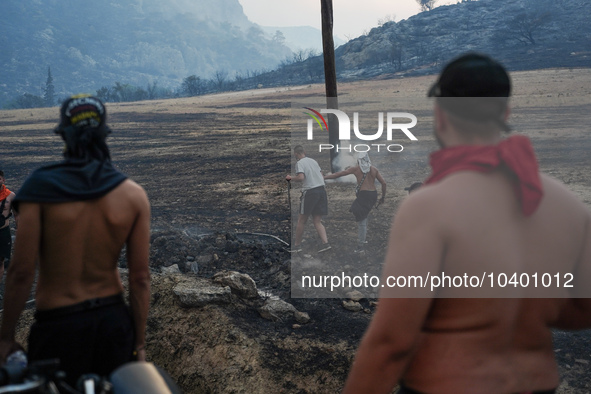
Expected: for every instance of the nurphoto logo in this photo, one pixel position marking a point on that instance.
(393, 125)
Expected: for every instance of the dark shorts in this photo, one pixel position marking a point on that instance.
(5, 245)
(405, 390)
(314, 202)
(363, 204)
(95, 336)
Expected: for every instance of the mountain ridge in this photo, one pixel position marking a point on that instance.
(521, 34)
(162, 43)
(139, 42)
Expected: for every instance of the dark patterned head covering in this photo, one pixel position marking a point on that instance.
(83, 128)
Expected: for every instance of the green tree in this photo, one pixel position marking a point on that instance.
(124, 92)
(279, 37)
(27, 100)
(426, 5)
(104, 94)
(192, 85)
(255, 33)
(152, 90)
(49, 91)
(219, 79)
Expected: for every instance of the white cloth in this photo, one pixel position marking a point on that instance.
(364, 162)
(312, 174)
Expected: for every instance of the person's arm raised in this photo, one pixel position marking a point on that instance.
(339, 174)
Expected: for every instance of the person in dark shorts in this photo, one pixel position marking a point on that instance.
(75, 217)
(313, 201)
(6, 210)
(98, 339)
(365, 193)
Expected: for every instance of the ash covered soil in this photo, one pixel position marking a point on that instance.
(214, 170)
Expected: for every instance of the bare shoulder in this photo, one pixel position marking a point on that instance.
(439, 209)
(556, 192)
(131, 186)
(550, 183)
(439, 194)
(423, 205)
(352, 170)
(131, 191)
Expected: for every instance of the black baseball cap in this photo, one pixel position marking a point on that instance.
(474, 86)
(472, 75)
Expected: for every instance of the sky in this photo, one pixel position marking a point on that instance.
(352, 18)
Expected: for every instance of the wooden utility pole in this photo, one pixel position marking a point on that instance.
(330, 77)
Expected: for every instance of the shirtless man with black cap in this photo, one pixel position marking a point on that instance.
(75, 217)
(485, 208)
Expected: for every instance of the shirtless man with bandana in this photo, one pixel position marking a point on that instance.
(75, 217)
(485, 207)
(365, 193)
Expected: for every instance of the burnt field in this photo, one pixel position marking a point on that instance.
(217, 164)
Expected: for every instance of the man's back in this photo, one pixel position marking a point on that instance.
(502, 240)
(312, 173)
(81, 242)
(369, 180)
(473, 344)
(75, 217)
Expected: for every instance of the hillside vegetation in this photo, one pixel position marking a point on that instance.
(522, 34)
(142, 43)
(131, 50)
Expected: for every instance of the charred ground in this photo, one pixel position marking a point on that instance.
(214, 169)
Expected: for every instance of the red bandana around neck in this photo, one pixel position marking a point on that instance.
(516, 153)
(4, 192)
